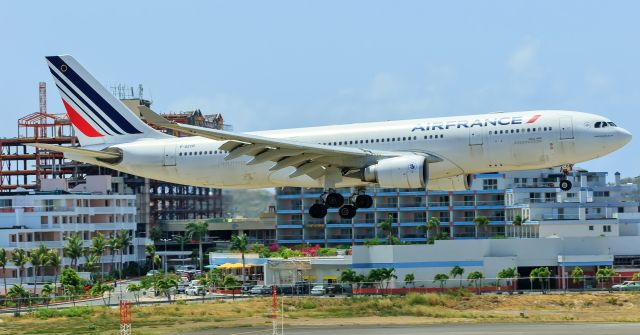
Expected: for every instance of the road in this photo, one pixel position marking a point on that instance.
(470, 329)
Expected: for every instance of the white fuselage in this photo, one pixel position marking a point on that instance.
(467, 144)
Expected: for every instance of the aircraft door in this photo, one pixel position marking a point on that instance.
(566, 128)
(169, 155)
(475, 136)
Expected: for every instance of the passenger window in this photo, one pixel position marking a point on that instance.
(597, 125)
(489, 132)
(404, 138)
(425, 137)
(415, 137)
(441, 135)
(377, 140)
(611, 124)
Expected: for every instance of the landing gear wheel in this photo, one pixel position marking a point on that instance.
(363, 201)
(565, 185)
(347, 211)
(333, 199)
(318, 211)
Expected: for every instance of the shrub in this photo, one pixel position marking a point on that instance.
(424, 300)
(309, 305)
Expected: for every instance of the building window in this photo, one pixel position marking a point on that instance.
(591, 228)
(620, 209)
(490, 184)
(606, 228)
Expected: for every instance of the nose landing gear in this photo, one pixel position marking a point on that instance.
(565, 184)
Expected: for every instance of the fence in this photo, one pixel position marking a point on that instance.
(520, 285)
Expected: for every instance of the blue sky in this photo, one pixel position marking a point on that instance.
(279, 64)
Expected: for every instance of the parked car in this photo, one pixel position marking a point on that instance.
(152, 273)
(318, 290)
(195, 290)
(260, 289)
(627, 286)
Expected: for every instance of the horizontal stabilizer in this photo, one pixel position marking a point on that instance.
(107, 156)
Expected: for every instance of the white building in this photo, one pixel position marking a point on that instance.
(29, 219)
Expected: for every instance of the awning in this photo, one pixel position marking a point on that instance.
(227, 266)
(330, 277)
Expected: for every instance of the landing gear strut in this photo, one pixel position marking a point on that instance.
(565, 184)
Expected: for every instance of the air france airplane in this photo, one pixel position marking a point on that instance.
(434, 153)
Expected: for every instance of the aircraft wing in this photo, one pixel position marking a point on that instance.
(309, 158)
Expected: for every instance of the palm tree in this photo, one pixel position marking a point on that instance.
(19, 293)
(480, 221)
(155, 234)
(577, 275)
(3, 263)
(73, 249)
(476, 277)
(91, 263)
(19, 258)
(124, 242)
(54, 260)
(151, 250)
(38, 260)
(434, 223)
(114, 245)
(455, 272)
(181, 239)
(240, 243)
(441, 278)
(387, 227)
(509, 274)
(198, 231)
(98, 246)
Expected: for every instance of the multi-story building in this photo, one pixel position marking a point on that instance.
(29, 219)
(591, 208)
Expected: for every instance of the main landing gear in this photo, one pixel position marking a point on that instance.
(332, 199)
(565, 184)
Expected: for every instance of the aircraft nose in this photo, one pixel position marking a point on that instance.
(624, 136)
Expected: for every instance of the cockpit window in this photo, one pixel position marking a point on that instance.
(603, 124)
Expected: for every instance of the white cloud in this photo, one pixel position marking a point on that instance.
(523, 59)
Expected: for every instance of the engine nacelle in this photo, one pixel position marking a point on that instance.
(457, 183)
(411, 171)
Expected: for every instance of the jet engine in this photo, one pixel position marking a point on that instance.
(411, 171)
(456, 183)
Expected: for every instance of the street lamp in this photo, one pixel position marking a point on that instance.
(165, 240)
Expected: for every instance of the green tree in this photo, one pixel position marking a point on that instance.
(216, 278)
(38, 260)
(386, 226)
(480, 222)
(135, 289)
(229, 281)
(198, 231)
(442, 279)
(73, 249)
(46, 293)
(20, 258)
(533, 276)
(113, 242)
(455, 272)
(155, 235)
(91, 264)
(181, 239)
(517, 220)
(409, 279)
(240, 243)
(508, 274)
(54, 260)
(70, 281)
(636, 276)
(19, 294)
(388, 274)
(476, 278)
(544, 274)
(604, 275)
(98, 246)
(577, 276)
(348, 276)
(124, 241)
(150, 249)
(99, 289)
(3, 264)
